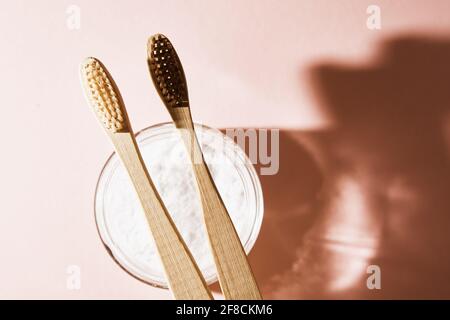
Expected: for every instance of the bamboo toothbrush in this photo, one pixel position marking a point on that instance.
(185, 279)
(235, 275)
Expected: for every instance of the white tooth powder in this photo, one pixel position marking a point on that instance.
(121, 221)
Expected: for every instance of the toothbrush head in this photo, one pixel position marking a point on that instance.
(167, 72)
(103, 95)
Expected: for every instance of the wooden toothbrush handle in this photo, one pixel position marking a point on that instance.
(235, 275)
(185, 279)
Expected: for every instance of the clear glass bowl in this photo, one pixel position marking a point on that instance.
(121, 222)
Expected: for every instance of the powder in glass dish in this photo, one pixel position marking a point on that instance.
(122, 223)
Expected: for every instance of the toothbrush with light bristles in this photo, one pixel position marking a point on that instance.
(235, 275)
(183, 276)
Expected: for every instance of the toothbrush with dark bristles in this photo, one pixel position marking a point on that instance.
(235, 275)
(183, 276)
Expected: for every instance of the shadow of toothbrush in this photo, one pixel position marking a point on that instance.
(372, 190)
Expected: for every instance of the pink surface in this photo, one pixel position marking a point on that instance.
(247, 64)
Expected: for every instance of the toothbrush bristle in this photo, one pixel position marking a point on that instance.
(167, 71)
(103, 95)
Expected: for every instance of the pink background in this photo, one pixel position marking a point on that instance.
(248, 64)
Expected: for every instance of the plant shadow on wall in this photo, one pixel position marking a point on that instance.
(372, 189)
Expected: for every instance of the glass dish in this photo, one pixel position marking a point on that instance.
(121, 222)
